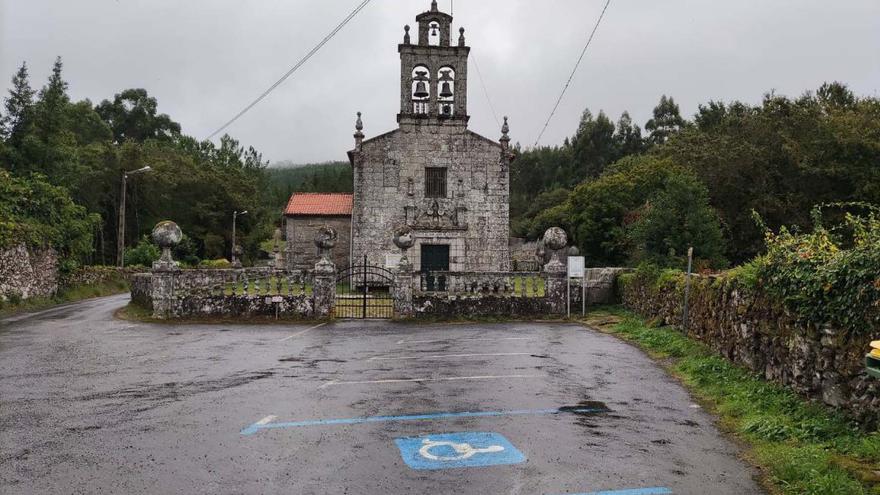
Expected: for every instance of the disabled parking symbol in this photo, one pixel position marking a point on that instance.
(456, 450)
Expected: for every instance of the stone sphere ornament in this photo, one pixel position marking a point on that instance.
(555, 238)
(325, 238)
(166, 234)
(403, 237)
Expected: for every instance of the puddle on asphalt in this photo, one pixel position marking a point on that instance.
(586, 408)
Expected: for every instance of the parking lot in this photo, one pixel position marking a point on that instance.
(90, 404)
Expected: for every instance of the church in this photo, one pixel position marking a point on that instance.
(449, 184)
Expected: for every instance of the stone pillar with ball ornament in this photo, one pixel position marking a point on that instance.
(403, 276)
(555, 240)
(324, 290)
(166, 235)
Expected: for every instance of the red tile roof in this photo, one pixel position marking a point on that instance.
(319, 204)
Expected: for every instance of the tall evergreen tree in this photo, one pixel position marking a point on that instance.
(666, 122)
(52, 103)
(19, 107)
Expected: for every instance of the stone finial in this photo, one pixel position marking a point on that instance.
(325, 239)
(404, 239)
(433, 5)
(505, 139)
(166, 235)
(406, 34)
(358, 135)
(460, 36)
(555, 239)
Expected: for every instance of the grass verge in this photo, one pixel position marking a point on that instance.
(801, 447)
(67, 295)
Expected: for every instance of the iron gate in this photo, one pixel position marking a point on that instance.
(364, 291)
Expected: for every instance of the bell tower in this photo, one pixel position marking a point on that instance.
(433, 72)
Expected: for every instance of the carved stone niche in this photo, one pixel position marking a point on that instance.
(434, 216)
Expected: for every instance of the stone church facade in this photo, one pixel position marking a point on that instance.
(433, 174)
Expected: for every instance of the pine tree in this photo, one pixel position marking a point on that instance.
(19, 106)
(52, 103)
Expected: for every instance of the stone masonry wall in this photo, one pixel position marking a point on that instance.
(389, 190)
(302, 254)
(27, 273)
(818, 362)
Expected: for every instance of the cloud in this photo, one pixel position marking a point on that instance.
(204, 60)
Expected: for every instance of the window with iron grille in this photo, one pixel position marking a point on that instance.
(435, 182)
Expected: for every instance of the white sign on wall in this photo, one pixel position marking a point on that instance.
(576, 267)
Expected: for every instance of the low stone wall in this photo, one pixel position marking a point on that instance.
(818, 362)
(300, 306)
(142, 290)
(600, 287)
(26, 273)
(451, 306)
(230, 293)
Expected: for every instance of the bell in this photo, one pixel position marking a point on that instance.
(433, 30)
(445, 90)
(421, 91)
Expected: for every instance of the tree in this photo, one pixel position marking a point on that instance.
(666, 122)
(133, 115)
(51, 105)
(19, 106)
(628, 137)
(593, 146)
(643, 208)
(780, 158)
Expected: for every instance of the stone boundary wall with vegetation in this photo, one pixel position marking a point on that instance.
(820, 362)
(97, 275)
(232, 293)
(26, 273)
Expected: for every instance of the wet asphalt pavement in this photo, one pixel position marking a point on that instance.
(90, 404)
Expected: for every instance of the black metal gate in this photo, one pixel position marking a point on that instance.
(364, 291)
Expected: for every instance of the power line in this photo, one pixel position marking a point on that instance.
(485, 91)
(584, 51)
(294, 68)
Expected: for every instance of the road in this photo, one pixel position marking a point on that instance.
(92, 404)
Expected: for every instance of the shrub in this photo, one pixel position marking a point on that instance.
(144, 254)
(830, 275)
(218, 263)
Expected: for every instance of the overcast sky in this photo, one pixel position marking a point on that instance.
(205, 59)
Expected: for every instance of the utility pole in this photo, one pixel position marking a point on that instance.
(235, 214)
(120, 227)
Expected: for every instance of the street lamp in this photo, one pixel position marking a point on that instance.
(235, 214)
(120, 231)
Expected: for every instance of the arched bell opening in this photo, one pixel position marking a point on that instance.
(446, 92)
(421, 89)
(434, 34)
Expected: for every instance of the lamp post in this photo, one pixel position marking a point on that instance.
(235, 214)
(120, 230)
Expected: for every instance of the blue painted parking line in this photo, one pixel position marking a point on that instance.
(458, 450)
(657, 490)
(267, 423)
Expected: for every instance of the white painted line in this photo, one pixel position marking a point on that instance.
(297, 334)
(429, 379)
(404, 341)
(445, 356)
(266, 420)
